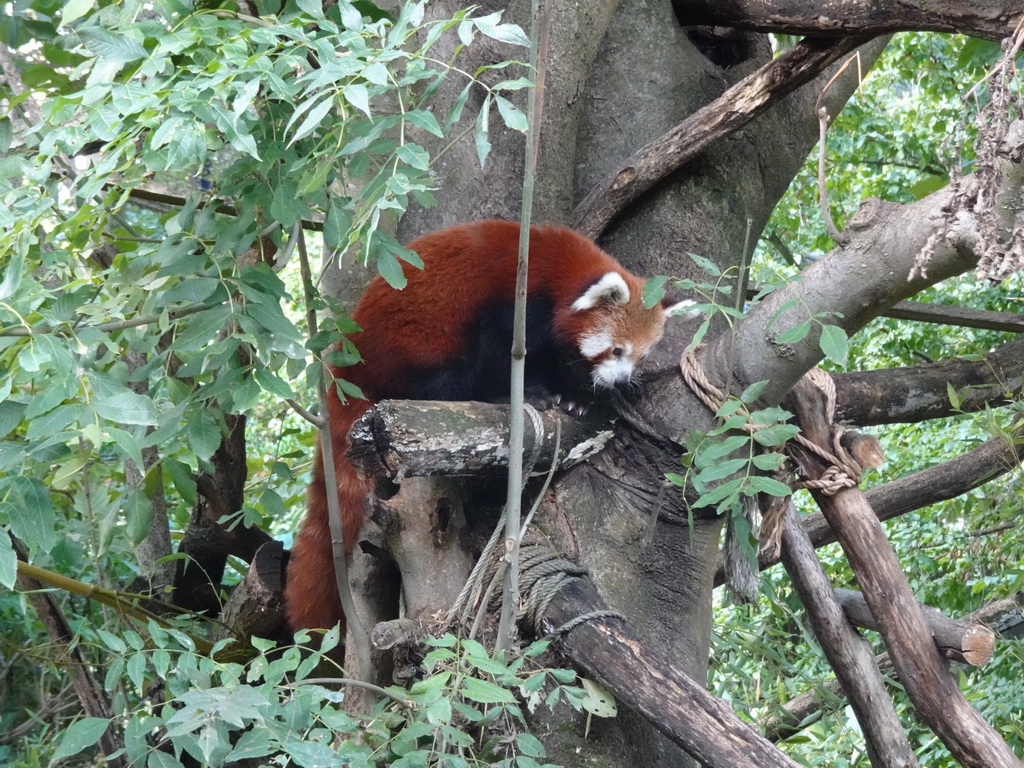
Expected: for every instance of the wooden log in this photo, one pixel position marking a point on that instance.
(256, 606)
(943, 481)
(848, 653)
(1005, 616)
(608, 649)
(962, 641)
(864, 448)
(938, 701)
(419, 438)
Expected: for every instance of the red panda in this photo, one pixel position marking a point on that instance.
(447, 336)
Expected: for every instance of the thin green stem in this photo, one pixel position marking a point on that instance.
(510, 600)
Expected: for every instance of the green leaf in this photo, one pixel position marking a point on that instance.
(483, 146)
(31, 514)
(486, 692)
(164, 134)
(314, 8)
(513, 85)
(654, 290)
(768, 461)
(954, 399)
(80, 737)
(158, 759)
(137, 513)
(722, 492)
(456, 111)
(338, 223)
(74, 10)
(421, 118)
(391, 270)
(10, 416)
(773, 415)
(358, 96)
(112, 641)
(127, 407)
(127, 443)
(204, 435)
(8, 563)
(12, 277)
(505, 33)
(794, 334)
(754, 391)
(768, 485)
(181, 476)
(415, 156)
(110, 47)
(835, 344)
(272, 383)
(776, 434)
(721, 470)
(705, 264)
(511, 114)
(313, 120)
(721, 448)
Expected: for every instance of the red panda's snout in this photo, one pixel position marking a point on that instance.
(617, 331)
(612, 362)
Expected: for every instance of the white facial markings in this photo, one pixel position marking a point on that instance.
(610, 290)
(595, 344)
(619, 360)
(615, 370)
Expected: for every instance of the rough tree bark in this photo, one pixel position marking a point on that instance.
(937, 700)
(623, 74)
(1004, 616)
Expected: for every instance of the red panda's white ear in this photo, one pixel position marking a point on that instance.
(679, 309)
(610, 291)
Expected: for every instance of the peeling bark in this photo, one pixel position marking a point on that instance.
(989, 19)
(918, 393)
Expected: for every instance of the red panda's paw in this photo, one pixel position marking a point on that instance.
(573, 408)
(540, 397)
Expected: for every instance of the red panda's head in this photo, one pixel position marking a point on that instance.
(613, 330)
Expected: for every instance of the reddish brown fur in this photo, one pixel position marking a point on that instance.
(468, 267)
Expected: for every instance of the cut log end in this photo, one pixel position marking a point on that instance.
(979, 644)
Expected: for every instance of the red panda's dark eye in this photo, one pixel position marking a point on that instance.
(617, 351)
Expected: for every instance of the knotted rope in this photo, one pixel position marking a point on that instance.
(842, 471)
(542, 573)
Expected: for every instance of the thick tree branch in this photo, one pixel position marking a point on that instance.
(413, 438)
(906, 395)
(989, 19)
(960, 317)
(937, 700)
(731, 111)
(1003, 615)
(848, 653)
(946, 480)
(850, 286)
(608, 649)
(963, 641)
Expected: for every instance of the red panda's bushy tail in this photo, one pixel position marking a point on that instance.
(311, 594)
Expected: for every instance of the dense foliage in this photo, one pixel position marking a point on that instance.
(128, 325)
(895, 139)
